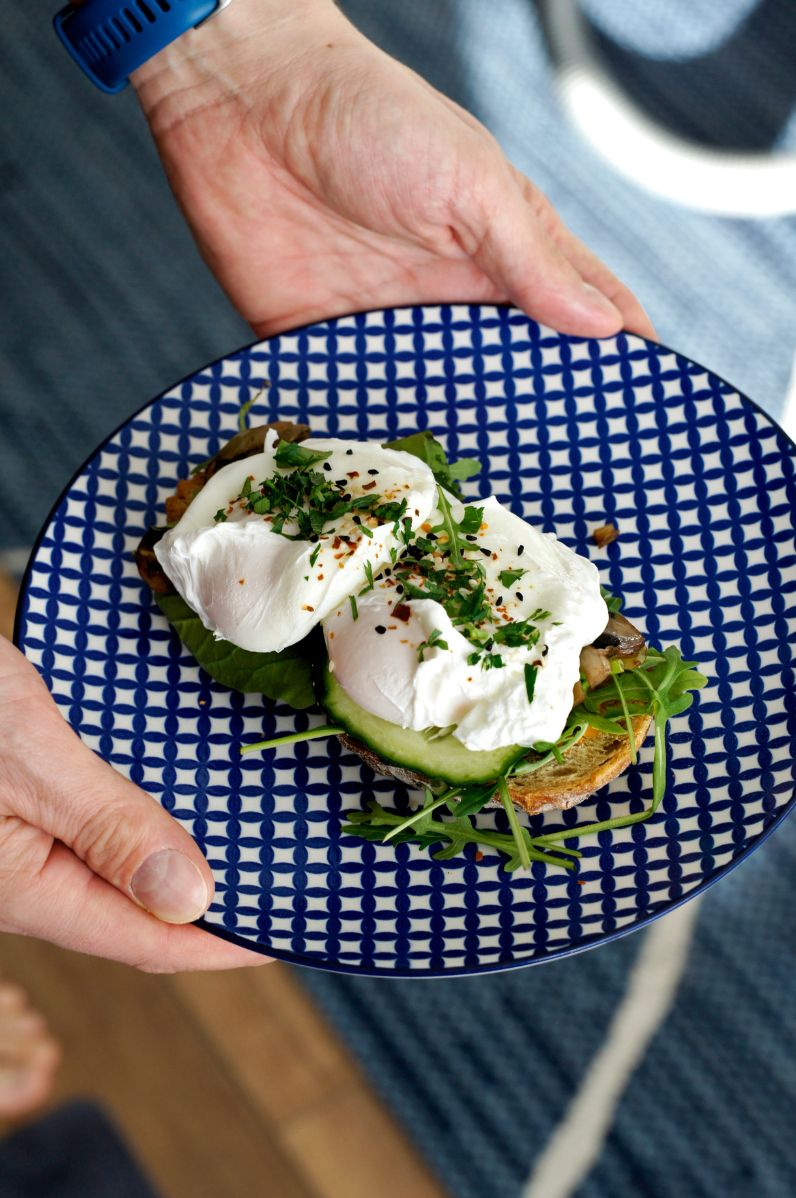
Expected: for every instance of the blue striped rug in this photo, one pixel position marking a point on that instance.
(105, 302)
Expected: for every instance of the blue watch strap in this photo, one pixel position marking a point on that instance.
(109, 39)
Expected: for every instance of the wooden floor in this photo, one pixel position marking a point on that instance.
(224, 1085)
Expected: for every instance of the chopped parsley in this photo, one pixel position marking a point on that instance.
(368, 568)
(509, 577)
(435, 641)
(290, 455)
(301, 503)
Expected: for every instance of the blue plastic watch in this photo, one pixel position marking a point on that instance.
(109, 39)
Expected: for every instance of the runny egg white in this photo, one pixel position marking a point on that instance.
(262, 590)
(380, 660)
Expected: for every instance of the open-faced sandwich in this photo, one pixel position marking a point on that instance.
(452, 645)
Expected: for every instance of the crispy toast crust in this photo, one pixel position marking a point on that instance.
(588, 766)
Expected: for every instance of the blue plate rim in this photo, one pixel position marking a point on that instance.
(586, 942)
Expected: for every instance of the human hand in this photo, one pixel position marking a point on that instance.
(83, 851)
(320, 176)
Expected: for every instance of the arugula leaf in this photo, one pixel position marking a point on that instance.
(379, 825)
(450, 529)
(243, 414)
(286, 675)
(426, 447)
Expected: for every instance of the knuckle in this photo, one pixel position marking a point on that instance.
(109, 839)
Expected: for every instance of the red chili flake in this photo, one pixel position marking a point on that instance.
(241, 581)
(479, 856)
(336, 543)
(306, 607)
(202, 702)
(392, 627)
(320, 578)
(402, 611)
(353, 474)
(580, 881)
(369, 486)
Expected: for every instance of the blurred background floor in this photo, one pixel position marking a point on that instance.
(225, 1085)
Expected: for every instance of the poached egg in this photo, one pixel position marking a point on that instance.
(262, 589)
(403, 659)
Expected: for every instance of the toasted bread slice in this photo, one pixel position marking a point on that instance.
(589, 765)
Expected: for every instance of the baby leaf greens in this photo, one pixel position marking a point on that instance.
(426, 447)
(286, 675)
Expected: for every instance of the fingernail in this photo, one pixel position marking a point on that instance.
(599, 302)
(171, 887)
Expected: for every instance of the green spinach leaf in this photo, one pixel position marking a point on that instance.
(426, 447)
(286, 675)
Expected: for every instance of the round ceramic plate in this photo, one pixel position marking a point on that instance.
(572, 434)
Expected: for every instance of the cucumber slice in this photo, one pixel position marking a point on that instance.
(446, 759)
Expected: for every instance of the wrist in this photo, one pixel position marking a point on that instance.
(229, 51)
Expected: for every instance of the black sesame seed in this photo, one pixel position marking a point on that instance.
(357, 519)
(544, 651)
(349, 452)
(471, 536)
(380, 629)
(518, 596)
(327, 465)
(341, 482)
(520, 549)
(486, 552)
(400, 589)
(373, 471)
(499, 601)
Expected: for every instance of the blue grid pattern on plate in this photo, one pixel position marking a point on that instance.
(571, 433)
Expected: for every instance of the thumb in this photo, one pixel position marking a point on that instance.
(121, 833)
(506, 234)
